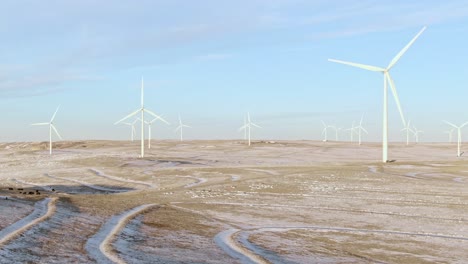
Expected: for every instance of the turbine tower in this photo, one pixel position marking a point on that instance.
(450, 133)
(181, 128)
(360, 129)
(325, 131)
(142, 110)
(248, 126)
(459, 135)
(132, 126)
(351, 131)
(51, 127)
(416, 133)
(408, 129)
(149, 123)
(387, 79)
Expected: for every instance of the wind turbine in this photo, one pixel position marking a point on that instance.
(387, 78)
(325, 131)
(450, 133)
(248, 126)
(51, 127)
(351, 131)
(132, 125)
(337, 130)
(181, 128)
(142, 110)
(416, 133)
(149, 123)
(360, 129)
(408, 129)
(459, 135)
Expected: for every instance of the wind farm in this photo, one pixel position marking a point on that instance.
(320, 169)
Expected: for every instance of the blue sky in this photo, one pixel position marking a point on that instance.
(214, 60)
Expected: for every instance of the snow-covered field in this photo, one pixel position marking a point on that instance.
(223, 202)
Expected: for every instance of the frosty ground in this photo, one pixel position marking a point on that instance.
(225, 202)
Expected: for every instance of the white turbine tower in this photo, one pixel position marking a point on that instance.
(181, 128)
(416, 133)
(248, 126)
(51, 127)
(325, 131)
(149, 123)
(459, 135)
(351, 131)
(387, 78)
(337, 130)
(142, 110)
(408, 129)
(360, 129)
(450, 134)
(132, 126)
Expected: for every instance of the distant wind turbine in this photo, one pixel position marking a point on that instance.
(450, 133)
(248, 126)
(416, 133)
(387, 78)
(51, 127)
(459, 135)
(142, 110)
(337, 130)
(149, 123)
(408, 129)
(351, 131)
(132, 127)
(360, 129)
(181, 128)
(325, 131)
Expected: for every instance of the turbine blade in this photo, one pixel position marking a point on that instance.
(53, 116)
(56, 132)
(363, 129)
(242, 127)
(464, 124)
(398, 56)
(255, 125)
(156, 116)
(359, 65)
(130, 115)
(450, 124)
(395, 95)
(40, 124)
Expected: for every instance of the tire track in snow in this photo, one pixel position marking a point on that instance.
(43, 210)
(44, 187)
(227, 242)
(101, 174)
(105, 236)
(99, 188)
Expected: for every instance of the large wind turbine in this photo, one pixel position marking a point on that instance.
(132, 126)
(51, 127)
(387, 78)
(459, 135)
(140, 111)
(325, 131)
(337, 130)
(181, 128)
(360, 129)
(408, 129)
(149, 123)
(248, 126)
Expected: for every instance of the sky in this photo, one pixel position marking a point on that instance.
(212, 61)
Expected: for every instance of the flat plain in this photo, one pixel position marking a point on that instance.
(224, 202)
